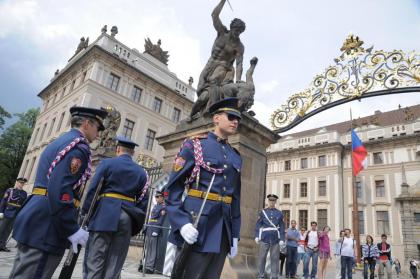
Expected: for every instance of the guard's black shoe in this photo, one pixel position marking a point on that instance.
(148, 271)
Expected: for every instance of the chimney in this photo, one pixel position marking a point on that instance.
(377, 112)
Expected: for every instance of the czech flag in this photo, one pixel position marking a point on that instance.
(359, 154)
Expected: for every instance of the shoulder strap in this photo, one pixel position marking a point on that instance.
(10, 195)
(199, 162)
(145, 187)
(268, 219)
(60, 155)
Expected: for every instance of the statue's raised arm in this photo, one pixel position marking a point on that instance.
(219, 70)
(217, 23)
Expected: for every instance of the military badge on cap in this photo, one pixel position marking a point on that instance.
(179, 164)
(75, 165)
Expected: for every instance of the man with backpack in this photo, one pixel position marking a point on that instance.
(311, 251)
(384, 258)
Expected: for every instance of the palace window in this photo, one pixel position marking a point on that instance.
(51, 127)
(287, 165)
(304, 163)
(378, 158)
(286, 193)
(157, 104)
(136, 94)
(286, 218)
(60, 121)
(150, 137)
(303, 189)
(361, 223)
(359, 189)
(176, 115)
(322, 188)
(382, 222)
(322, 218)
(128, 128)
(303, 219)
(322, 161)
(380, 188)
(113, 81)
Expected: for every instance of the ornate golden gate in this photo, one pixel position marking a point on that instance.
(358, 73)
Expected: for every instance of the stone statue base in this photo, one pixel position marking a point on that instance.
(252, 141)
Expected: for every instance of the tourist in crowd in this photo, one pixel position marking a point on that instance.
(311, 251)
(413, 268)
(347, 254)
(397, 267)
(337, 255)
(384, 258)
(283, 256)
(301, 247)
(324, 251)
(292, 238)
(369, 255)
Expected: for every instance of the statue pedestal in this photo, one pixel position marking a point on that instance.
(252, 141)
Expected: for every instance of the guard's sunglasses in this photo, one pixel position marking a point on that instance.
(232, 117)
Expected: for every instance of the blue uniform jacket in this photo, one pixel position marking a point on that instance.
(45, 222)
(157, 217)
(12, 201)
(270, 236)
(216, 214)
(123, 176)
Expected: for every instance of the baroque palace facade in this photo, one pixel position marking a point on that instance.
(310, 171)
(150, 98)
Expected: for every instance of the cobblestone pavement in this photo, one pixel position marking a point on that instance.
(130, 267)
(129, 270)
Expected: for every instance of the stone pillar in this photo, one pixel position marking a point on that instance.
(252, 141)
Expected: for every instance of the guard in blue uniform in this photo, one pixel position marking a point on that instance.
(199, 159)
(122, 202)
(10, 205)
(153, 231)
(47, 223)
(269, 234)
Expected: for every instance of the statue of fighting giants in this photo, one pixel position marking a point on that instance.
(219, 71)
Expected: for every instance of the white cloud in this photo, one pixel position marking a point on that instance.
(15, 16)
(269, 86)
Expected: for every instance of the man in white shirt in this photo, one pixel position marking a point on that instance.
(347, 255)
(311, 251)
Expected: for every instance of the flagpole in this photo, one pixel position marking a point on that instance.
(355, 212)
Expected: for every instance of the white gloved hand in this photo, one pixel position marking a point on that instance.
(79, 237)
(257, 240)
(154, 234)
(1, 216)
(233, 249)
(189, 233)
(281, 242)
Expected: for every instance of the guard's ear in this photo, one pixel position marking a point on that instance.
(216, 118)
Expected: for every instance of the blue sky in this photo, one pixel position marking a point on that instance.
(294, 41)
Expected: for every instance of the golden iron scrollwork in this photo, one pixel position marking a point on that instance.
(357, 73)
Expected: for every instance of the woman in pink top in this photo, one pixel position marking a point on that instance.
(324, 251)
